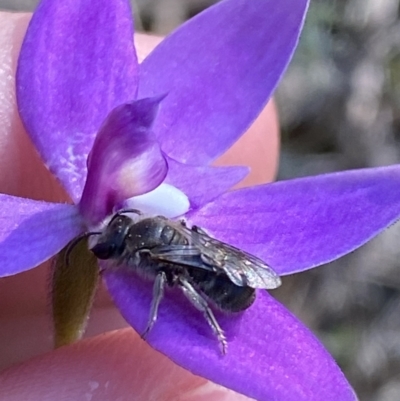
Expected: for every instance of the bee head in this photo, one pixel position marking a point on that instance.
(110, 243)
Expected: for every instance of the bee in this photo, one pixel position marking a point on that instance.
(172, 254)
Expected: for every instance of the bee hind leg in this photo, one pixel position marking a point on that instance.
(158, 293)
(201, 304)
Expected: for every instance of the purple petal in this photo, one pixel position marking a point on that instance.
(31, 232)
(76, 64)
(271, 355)
(219, 69)
(299, 224)
(202, 184)
(126, 160)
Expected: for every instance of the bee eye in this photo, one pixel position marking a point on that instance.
(104, 250)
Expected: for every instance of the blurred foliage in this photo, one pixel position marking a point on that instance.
(339, 105)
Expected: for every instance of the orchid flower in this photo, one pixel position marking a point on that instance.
(116, 134)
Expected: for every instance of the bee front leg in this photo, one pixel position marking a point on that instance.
(158, 293)
(201, 304)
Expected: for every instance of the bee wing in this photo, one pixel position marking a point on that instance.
(242, 268)
(186, 255)
(251, 272)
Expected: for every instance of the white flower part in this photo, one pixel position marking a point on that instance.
(166, 200)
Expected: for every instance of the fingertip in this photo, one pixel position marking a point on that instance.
(145, 43)
(115, 365)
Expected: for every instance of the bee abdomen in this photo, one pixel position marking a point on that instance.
(226, 295)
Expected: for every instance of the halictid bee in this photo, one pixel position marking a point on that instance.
(206, 270)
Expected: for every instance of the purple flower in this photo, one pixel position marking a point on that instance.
(110, 130)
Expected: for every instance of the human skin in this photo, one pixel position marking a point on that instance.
(118, 364)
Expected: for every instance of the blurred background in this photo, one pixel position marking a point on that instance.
(339, 106)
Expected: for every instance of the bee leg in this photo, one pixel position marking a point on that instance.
(198, 230)
(158, 293)
(201, 304)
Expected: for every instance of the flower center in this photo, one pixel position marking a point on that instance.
(166, 200)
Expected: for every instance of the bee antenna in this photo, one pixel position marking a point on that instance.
(76, 241)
